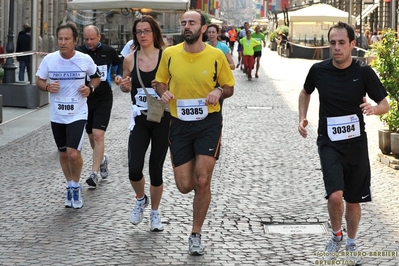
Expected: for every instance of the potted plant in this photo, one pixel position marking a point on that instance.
(388, 138)
(272, 38)
(386, 64)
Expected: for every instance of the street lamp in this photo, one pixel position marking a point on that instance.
(9, 66)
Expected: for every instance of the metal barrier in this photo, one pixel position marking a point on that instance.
(23, 94)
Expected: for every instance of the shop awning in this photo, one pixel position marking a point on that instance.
(112, 4)
(216, 21)
(367, 11)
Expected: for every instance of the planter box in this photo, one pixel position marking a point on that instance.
(384, 141)
(23, 94)
(306, 52)
(273, 46)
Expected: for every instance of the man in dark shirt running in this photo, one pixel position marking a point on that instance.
(100, 101)
(342, 83)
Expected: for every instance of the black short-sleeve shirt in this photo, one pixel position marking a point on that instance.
(341, 91)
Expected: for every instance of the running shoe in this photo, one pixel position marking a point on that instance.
(92, 180)
(195, 247)
(137, 215)
(353, 254)
(104, 167)
(156, 223)
(68, 200)
(332, 248)
(77, 201)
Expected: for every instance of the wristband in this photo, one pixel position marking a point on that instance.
(91, 88)
(221, 89)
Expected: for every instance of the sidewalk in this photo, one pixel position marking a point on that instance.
(267, 174)
(17, 122)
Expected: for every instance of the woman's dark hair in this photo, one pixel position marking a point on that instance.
(69, 25)
(343, 25)
(156, 32)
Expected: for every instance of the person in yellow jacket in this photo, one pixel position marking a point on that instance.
(248, 45)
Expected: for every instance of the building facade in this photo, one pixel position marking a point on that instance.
(378, 14)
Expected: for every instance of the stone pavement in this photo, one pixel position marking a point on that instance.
(267, 173)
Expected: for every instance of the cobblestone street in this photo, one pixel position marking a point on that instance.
(267, 173)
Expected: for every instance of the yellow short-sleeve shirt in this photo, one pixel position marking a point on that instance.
(193, 75)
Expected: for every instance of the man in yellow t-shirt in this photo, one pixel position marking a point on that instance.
(248, 51)
(191, 70)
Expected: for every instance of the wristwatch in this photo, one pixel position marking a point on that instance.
(220, 88)
(91, 88)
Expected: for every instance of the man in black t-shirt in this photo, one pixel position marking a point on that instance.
(342, 84)
(99, 101)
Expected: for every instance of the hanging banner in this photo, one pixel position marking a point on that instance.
(272, 5)
(258, 8)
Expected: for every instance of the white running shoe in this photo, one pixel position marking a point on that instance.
(104, 167)
(353, 254)
(332, 248)
(92, 180)
(77, 201)
(68, 200)
(156, 222)
(195, 248)
(137, 215)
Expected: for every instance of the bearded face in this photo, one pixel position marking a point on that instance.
(191, 36)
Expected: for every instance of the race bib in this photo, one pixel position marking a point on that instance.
(191, 109)
(103, 71)
(66, 105)
(141, 97)
(343, 127)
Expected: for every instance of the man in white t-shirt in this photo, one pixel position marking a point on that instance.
(128, 48)
(63, 74)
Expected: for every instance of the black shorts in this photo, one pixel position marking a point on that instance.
(99, 115)
(188, 138)
(69, 135)
(257, 54)
(346, 167)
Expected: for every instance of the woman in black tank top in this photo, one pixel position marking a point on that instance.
(148, 44)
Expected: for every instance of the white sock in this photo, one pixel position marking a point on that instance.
(350, 241)
(154, 212)
(141, 200)
(75, 184)
(70, 183)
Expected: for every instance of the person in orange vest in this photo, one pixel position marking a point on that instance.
(232, 38)
(248, 45)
